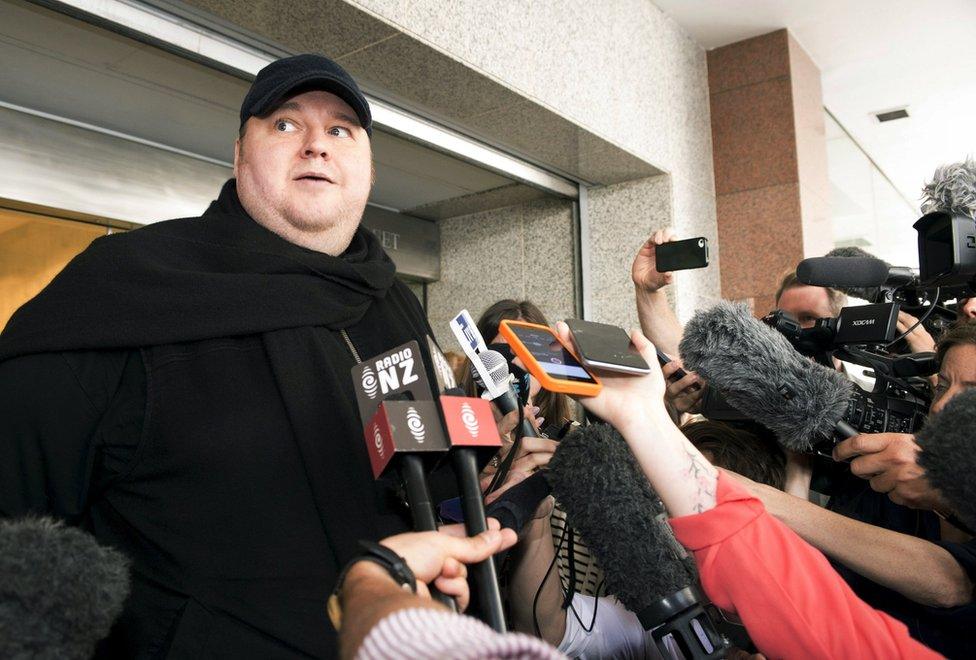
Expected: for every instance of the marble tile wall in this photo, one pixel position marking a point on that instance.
(521, 252)
(627, 73)
(770, 163)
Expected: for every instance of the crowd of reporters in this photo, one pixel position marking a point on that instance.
(864, 550)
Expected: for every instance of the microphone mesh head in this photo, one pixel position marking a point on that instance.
(495, 364)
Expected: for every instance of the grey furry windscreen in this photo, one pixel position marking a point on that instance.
(948, 442)
(952, 190)
(60, 591)
(752, 365)
(607, 498)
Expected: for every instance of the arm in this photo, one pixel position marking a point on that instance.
(792, 602)
(46, 424)
(657, 319)
(749, 562)
(534, 557)
(918, 569)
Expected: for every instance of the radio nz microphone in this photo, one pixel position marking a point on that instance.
(757, 370)
(401, 425)
(947, 454)
(60, 591)
(596, 480)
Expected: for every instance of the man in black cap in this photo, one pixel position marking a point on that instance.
(183, 390)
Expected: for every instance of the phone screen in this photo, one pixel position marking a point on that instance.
(554, 359)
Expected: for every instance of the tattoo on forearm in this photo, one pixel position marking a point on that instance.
(705, 482)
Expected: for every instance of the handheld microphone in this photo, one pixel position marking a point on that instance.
(60, 591)
(471, 429)
(404, 425)
(609, 500)
(947, 454)
(496, 366)
(761, 374)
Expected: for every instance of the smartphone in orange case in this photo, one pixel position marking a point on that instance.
(552, 363)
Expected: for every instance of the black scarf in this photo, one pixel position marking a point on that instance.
(218, 275)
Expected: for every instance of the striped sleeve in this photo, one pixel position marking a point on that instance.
(427, 633)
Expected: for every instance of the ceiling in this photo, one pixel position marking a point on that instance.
(874, 55)
(58, 65)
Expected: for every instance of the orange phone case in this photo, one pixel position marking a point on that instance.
(551, 383)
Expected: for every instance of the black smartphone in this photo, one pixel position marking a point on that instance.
(682, 255)
(603, 346)
(663, 358)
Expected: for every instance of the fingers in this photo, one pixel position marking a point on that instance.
(456, 588)
(867, 466)
(531, 445)
(508, 423)
(456, 530)
(864, 443)
(562, 331)
(643, 346)
(671, 367)
(678, 387)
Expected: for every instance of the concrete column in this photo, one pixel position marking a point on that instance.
(770, 163)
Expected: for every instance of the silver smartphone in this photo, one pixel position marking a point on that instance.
(607, 347)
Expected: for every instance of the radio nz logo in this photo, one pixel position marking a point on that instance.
(370, 384)
(378, 440)
(469, 419)
(415, 425)
(392, 373)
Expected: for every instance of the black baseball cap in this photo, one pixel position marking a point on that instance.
(275, 82)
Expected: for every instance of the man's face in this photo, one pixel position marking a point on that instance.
(806, 303)
(958, 374)
(305, 171)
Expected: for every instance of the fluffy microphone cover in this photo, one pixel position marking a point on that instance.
(952, 190)
(60, 591)
(949, 454)
(606, 496)
(760, 374)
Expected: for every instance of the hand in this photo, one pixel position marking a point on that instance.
(625, 398)
(534, 453)
(889, 462)
(440, 556)
(644, 269)
(919, 339)
(683, 393)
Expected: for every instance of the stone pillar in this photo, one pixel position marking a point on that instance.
(770, 163)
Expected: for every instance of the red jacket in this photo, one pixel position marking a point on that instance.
(792, 602)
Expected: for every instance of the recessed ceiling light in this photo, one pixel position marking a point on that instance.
(891, 115)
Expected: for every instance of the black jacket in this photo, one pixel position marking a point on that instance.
(231, 469)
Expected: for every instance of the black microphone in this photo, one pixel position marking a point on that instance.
(947, 454)
(596, 480)
(497, 366)
(759, 372)
(403, 427)
(860, 277)
(60, 591)
(871, 294)
(471, 431)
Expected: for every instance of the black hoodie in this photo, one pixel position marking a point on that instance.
(183, 391)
